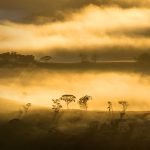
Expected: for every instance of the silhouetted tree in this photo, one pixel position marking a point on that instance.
(94, 58)
(13, 57)
(84, 58)
(68, 99)
(110, 108)
(83, 101)
(56, 106)
(45, 58)
(26, 107)
(124, 108)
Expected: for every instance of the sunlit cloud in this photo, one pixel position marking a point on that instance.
(92, 27)
(73, 27)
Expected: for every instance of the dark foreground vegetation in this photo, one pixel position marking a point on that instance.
(75, 130)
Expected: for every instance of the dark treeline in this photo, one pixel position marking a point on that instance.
(93, 62)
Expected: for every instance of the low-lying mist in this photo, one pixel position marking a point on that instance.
(40, 87)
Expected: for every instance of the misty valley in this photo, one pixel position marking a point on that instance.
(74, 74)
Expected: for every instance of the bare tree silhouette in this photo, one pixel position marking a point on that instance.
(124, 108)
(83, 101)
(68, 99)
(56, 105)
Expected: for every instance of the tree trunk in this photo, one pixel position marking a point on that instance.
(67, 106)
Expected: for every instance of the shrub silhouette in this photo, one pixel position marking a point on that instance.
(83, 101)
(124, 108)
(110, 109)
(26, 107)
(56, 105)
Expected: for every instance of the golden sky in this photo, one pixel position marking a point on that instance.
(40, 87)
(111, 29)
(93, 26)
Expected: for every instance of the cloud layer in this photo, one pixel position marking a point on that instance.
(103, 27)
(92, 27)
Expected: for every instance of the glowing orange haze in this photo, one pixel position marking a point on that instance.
(91, 27)
(42, 87)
